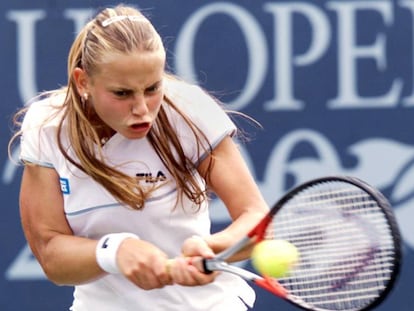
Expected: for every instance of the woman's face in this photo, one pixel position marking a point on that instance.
(127, 90)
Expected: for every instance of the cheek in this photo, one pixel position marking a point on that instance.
(154, 103)
(106, 109)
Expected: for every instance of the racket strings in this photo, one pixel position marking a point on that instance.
(339, 231)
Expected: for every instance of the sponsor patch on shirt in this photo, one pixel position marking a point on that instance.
(64, 185)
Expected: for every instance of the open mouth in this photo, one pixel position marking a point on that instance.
(140, 126)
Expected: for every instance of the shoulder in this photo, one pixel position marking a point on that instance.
(182, 92)
(44, 111)
(173, 86)
(192, 100)
(201, 108)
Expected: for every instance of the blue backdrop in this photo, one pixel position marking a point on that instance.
(330, 81)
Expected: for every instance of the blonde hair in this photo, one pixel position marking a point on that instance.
(123, 29)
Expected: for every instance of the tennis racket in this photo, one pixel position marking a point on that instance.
(348, 241)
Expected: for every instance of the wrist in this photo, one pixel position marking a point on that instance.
(107, 249)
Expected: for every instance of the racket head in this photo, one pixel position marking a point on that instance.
(348, 240)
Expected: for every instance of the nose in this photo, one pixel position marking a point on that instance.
(139, 106)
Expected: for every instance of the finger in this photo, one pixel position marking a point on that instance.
(198, 262)
(161, 271)
(201, 278)
(180, 272)
(196, 245)
(146, 283)
(177, 269)
(151, 275)
(205, 250)
(184, 273)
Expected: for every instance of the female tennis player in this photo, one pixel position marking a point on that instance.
(118, 166)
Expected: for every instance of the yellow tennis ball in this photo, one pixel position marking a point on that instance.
(274, 258)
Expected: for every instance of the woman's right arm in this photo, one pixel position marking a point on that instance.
(70, 260)
(65, 258)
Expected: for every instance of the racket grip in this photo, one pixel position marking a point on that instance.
(206, 270)
(202, 265)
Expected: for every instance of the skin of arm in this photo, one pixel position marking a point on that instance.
(231, 180)
(48, 233)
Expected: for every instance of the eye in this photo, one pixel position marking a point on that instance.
(153, 88)
(121, 93)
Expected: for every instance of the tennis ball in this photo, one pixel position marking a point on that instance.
(274, 258)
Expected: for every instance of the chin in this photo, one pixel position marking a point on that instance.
(135, 135)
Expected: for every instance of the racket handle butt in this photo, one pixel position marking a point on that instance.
(206, 270)
(202, 265)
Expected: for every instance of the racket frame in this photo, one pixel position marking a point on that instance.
(257, 234)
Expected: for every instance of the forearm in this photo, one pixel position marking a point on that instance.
(69, 260)
(233, 233)
(230, 179)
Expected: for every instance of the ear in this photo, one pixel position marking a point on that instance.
(81, 80)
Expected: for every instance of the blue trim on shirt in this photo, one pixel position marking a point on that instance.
(89, 209)
(213, 145)
(37, 162)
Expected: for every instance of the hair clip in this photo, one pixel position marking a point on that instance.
(118, 18)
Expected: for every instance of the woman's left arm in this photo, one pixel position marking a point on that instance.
(230, 179)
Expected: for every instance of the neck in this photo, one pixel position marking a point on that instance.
(102, 129)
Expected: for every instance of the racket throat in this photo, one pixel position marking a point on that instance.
(211, 265)
(272, 286)
(265, 282)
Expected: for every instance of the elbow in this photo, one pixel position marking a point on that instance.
(54, 274)
(48, 265)
(54, 270)
(58, 273)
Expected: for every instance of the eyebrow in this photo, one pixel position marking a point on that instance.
(154, 84)
(131, 89)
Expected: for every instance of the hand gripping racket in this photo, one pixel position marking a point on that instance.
(348, 241)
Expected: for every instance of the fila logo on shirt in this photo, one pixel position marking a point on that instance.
(149, 178)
